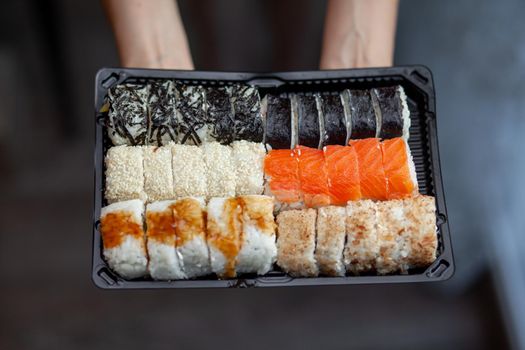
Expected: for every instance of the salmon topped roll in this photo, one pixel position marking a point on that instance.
(399, 169)
(282, 178)
(371, 172)
(313, 177)
(343, 174)
(164, 262)
(123, 238)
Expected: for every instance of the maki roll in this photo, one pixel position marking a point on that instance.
(277, 112)
(330, 240)
(124, 174)
(219, 115)
(333, 120)
(164, 258)
(189, 171)
(128, 122)
(158, 175)
(190, 228)
(219, 168)
(308, 120)
(392, 112)
(191, 109)
(163, 115)
(296, 242)
(123, 238)
(361, 113)
(258, 249)
(248, 122)
(248, 158)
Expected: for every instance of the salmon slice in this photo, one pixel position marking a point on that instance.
(312, 177)
(282, 170)
(371, 172)
(343, 174)
(396, 162)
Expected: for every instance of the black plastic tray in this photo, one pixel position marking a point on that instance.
(419, 87)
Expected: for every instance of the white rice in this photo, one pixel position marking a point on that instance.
(405, 113)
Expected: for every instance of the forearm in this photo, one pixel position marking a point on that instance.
(149, 34)
(359, 33)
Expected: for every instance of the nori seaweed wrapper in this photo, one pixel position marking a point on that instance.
(191, 110)
(389, 109)
(164, 125)
(309, 133)
(362, 113)
(278, 122)
(334, 121)
(127, 122)
(248, 123)
(220, 114)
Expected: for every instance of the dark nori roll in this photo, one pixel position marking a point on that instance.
(192, 114)
(128, 121)
(334, 121)
(220, 114)
(278, 121)
(363, 118)
(248, 124)
(309, 132)
(163, 116)
(389, 111)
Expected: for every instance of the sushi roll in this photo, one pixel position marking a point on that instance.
(392, 112)
(331, 223)
(372, 177)
(296, 242)
(164, 126)
(362, 246)
(335, 128)
(128, 120)
(224, 225)
(258, 249)
(399, 169)
(281, 169)
(219, 115)
(189, 171)
(164, 258)
(191, 109)
(248, 159)
(304, 109)
(190, 228)
(123, 238)
(277, 113)
(158, 174)
(124, 174)
(247, 118)
(342, 171)
(313, 178)
(362, 115)
(420, 213)
(220, 169)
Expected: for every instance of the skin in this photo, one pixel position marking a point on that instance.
(150, 34)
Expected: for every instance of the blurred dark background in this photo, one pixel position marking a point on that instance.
(49, 53)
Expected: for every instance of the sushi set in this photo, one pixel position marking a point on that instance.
(210, 179)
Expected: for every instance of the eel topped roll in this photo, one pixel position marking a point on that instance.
(219, 115)
(362, 115)
(123, 238)
(277, 112)
(392, 112)
(247, 117)
(128, 120)
(336, 127)
(164, 126)
(308, 120)
(191, 108)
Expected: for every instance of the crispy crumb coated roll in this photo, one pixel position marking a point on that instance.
(258, 249)
(330, 240)
(124, 174)
(296, 242)
(190, 227)
(123, 238)
(164, 261)
(248, 160)
(362, 247)
(189, 171)
(220, 170)
(420, 213)
(158, 175)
